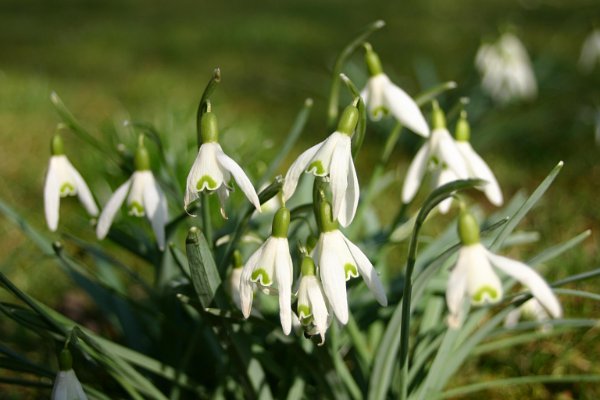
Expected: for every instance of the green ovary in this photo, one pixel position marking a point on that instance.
(208, 182)
(262, 276)
(316, 168)
(136, 209)
(486, 292)
(67, 190)
(350, 271)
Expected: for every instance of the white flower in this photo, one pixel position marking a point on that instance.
(476, 166)
(473, 276)
(533, 309)
(339, 260)
(271, 269)
(332, 157)
(62, 180)
(590, 52)
(312, 306)
(382, 97)
(506, 70)
(67, 387)
(143, 197)
(234, 286)
(441, 155)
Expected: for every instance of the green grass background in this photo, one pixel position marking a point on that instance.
(149, 61)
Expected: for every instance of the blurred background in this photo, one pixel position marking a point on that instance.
(111, 61)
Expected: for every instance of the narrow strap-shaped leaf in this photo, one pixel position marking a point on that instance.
(205, 276)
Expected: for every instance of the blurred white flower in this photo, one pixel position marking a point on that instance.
(143, 196)
(590, 52)
(531, 309)
(333, 158)
(235, 277)
(474, 277)
(271, 269)
(67, 387)
(506, 71)
(476, 166)
(312, 306)
(339, 260)
(213, 169)
(62, 179)
(441, 156)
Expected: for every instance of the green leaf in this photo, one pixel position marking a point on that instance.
(205, 276)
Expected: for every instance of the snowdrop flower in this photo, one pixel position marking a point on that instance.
(213, 169)
(506, 70)
(441, 156)
(339, 260)
(333, 158)
(312, 306)
(476, 167)
(382, 97)
(66, 385)
(235, 277)
(63, 180)
(143, 197)
(590, 52)
(271, 269)
(474, 277)
(532, 309)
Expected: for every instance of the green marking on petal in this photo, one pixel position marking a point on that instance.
(304, 314)
(136, 209)
(206, 182)
(380, 111)
(67, 190)
(350, 271)
(261, 275)
(316, 168)
(486, 292)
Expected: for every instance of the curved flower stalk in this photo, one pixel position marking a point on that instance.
(476, 167)
(506, 71)
(62, 180)
(271, 269)
(590, 52)
(474, 277)
(143, 196)
(213, 169)
(339, 260)
(332, 157)
(312, 306)
(441, 156)
(66, 385)
(382, 97)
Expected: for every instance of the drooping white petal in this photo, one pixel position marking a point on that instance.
(155, 205)
(318, 305)
(441, 177)
(283, 275)
(483, 285)
(83, 192)
(240, 177)
(296, 169)
(350, 200)
(368, 273)
(67, 387)
(530, 278)
(111, 208)
(223, 195)
(415, 173)
(338, 174)
(478, 168)
(404, 109)
(52, 196)
(449, 154)
(333, 278)
(457, 285)
(373, 96)
(246, 293)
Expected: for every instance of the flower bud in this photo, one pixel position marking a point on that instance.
(348, 120)
(281, 223)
